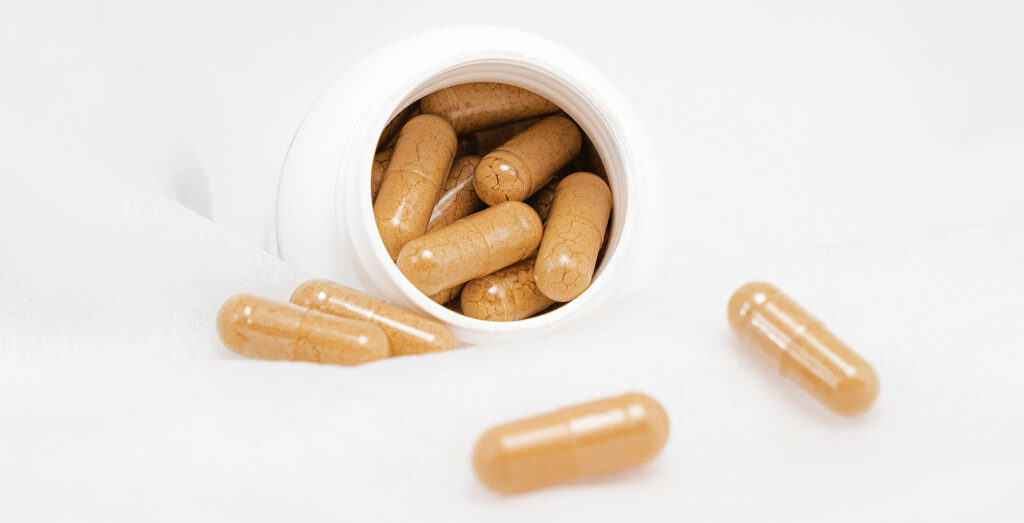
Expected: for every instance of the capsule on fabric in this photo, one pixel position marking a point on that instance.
(407, 333)
(260, 328)
(803, 350)
(570, 443)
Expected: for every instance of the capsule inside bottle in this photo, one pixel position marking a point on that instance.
(803, 350)
(571, 443)
(260, 328)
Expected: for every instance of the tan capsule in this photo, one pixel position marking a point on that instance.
(804, 351)
(482, 105)
(474, 246)
(412, 182)
(265, 329)
(390, 132)
(489, 140)
(447, 295)
(380, 166)
(507, 295)
(383, 158)
(407, 333)
(573, 234)
(527, 162)
(571, 443)
(458, 198)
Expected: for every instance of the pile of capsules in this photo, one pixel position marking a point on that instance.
(502, 236)
(330, 323)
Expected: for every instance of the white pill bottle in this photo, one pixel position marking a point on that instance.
(325, 222)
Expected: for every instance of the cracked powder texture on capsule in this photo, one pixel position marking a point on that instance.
(528, 161)
(510, 294)
(472, 247)
(260, 328)
(458, 197)
(483, 105)
(407, 333)
(412, 182)
(571, 443)
(803, 350)
(573, 234)
(383, 158)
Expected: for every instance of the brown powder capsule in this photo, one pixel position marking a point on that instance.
(383, 158)
(583, 440)
(447, 295)
(803, 350)
(380, 166)
(458, 198)
(265, 329)
(573, 234)
(490, 139)
(412, 182)
(472, 247)
(407, 333)
(482, 105)
(527, 162)
(507, 295)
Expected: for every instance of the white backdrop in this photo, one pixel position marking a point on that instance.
(868, 159)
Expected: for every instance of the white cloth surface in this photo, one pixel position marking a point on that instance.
(155, 424)
(865, 159)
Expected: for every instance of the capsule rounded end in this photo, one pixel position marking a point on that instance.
(438, 125)
(654, 416)
(231, 316)
(856, 394)
(312, 293)
(487, 463)
(498, 178)
(484, 301)
(560, 277)
(746, 298)
(418, 263)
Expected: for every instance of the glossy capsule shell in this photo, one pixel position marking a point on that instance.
(412, 182)
(265, 329)
(528, 161)
(483, 105)
(573, 235)
(571, 443)
(803, 350)
(407, 333)
(458, 198)
(474, 246)
(510, 294)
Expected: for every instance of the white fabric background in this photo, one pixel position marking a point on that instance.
(868, 159)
